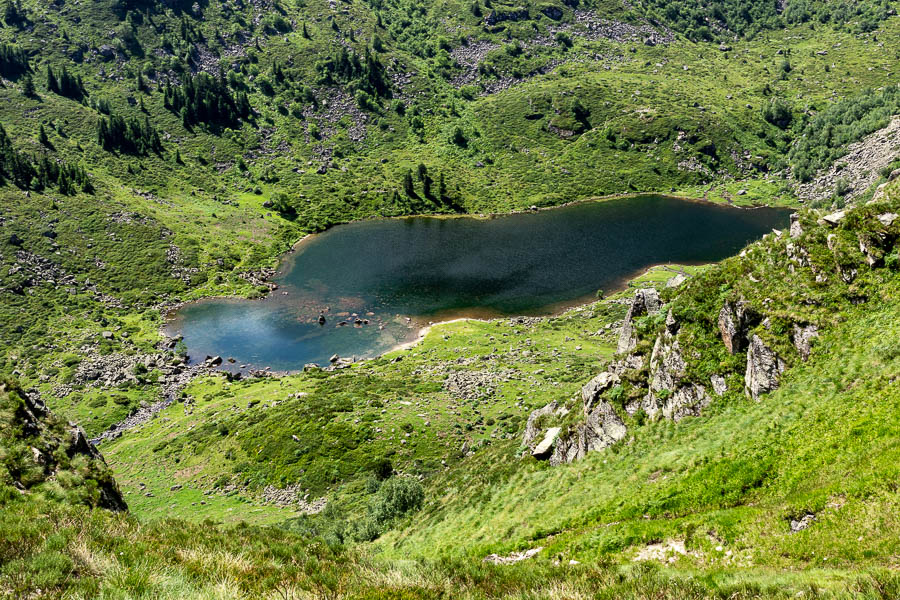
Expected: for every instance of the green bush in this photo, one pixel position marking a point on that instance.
(396, 497)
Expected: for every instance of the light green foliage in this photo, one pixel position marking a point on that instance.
(321, 115)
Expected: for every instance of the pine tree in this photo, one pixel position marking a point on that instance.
(52, 84)
(305, 32)
(408, 184)
(28, 87)
(42, 137)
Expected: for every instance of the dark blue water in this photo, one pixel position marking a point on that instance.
(428, 268)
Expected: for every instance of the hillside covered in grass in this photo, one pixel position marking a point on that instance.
(708, 431)
(789, 491)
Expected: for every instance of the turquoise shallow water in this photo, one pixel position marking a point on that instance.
(384, 271)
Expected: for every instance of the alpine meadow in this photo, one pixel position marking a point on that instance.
(449, 299)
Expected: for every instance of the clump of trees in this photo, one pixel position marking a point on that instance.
(29, 173)
(13, 62)
(707, 21)
(65, 84)
(363, 74)
(131, 136)
(204, 99)
(778, 113)
(14, 14)
(824, 138)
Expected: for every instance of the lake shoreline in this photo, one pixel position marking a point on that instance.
(421, 318)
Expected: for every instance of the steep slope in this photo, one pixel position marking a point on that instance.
(759, 402)
(43, 456)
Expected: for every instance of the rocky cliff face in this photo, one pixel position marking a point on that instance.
(41, 450)
(741, 325)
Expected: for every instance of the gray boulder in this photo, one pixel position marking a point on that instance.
(542, 450)
(802, 337)
(646, 302)
(590, 392)
(735, 319)
(764, 367)
(532, 431)
(796, 227)
(668, 394)
(602, 428)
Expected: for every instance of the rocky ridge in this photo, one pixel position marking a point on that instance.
(858, 169)
(55, 447)
(728, 335)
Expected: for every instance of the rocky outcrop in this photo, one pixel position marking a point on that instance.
(646, 302)
(802, 338)
(859, 168)
(796, 227)
(590, 392)
(735, 320)
(58, 451)
(542, 450)
(764, 367)
(668, 394)
(687, 368)
(601, 426)
(532, 427)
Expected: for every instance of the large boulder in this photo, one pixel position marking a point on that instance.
(645, 302)
(591, 391)
(735, 319)
(764, 367)
(601, 428)
(668, 394)
(542, 450)
(532, 431)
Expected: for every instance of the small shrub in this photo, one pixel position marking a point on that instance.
(397, 497)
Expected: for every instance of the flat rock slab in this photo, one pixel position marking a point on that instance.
(542, 450)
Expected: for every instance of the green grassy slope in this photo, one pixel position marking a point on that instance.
(546, 125)
(540, 107)
(726, 484)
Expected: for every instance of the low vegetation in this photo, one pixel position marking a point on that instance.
(153, 153)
